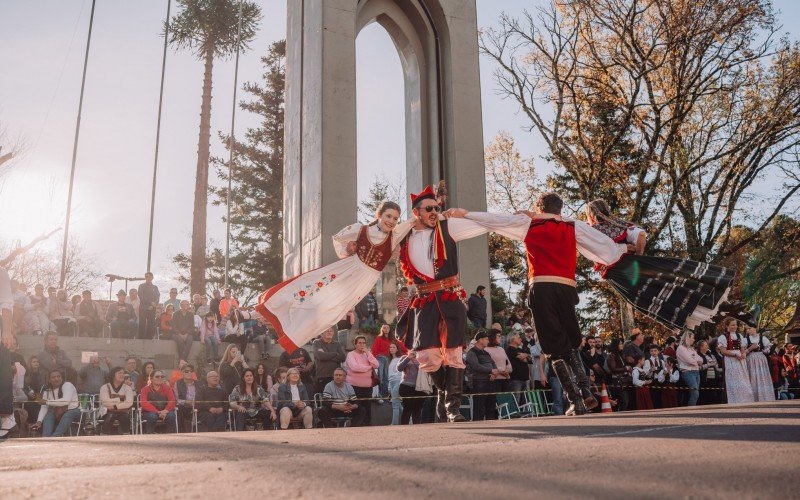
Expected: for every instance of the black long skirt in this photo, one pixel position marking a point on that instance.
(670, 289)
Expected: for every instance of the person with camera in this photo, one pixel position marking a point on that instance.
(116, 400)
(232, 367)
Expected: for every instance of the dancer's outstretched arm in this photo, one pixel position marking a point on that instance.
(511, 226)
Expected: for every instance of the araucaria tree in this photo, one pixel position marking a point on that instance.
(210, 29)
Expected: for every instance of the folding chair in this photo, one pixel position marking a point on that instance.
(507, 403)
(538, 402)
(466, 406)
(339, 421)
(86, 404)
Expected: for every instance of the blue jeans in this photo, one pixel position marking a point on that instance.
(64, 424)
(397, 405)
(557, 394)
(150, 420)
(692, 379)
(383, 375)
(212, 348)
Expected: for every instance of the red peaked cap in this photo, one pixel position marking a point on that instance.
(425, 194)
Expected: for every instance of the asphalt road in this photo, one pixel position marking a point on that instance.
(746, 451)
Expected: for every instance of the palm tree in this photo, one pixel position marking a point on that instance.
(210, 29)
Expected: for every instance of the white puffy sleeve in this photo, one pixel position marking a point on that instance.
(767, 345)
(674, 376)
(511, 226)
(596, 246)
(632, 234)
(401, 230)
(343, 237)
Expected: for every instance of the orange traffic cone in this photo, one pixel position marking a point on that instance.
(605, 404)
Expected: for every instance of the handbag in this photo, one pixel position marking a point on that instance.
(423, 383)
(375, 379)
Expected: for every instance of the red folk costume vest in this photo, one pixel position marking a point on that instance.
(375, 256)
(552, 251)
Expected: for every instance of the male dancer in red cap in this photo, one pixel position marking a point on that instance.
(437, 317)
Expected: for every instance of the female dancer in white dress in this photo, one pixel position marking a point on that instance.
(757, 346)
(303, 307)
(737, 379)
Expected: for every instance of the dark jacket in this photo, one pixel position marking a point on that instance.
(480, 364)
(327, 357)
(230, 376)
(285, 395)
(183, 323)
(205, 394)
(520, 370)
(120, 312)
(476, 309)
(148, 295)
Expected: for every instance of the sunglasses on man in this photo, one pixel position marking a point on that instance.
(431, 208)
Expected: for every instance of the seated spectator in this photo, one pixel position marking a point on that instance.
(209, 336)
(227, 303)
(183, 330)
(92, 376)
(53, 357)
(234, 330)
(36, 319)
(231, 368)
(212, 404)
(263, 378)
(60, 407)
(35, 379)
(158, 403)
(121, 318)
(261, 338)
(87, 313)
(361, 364)
(185, 393)
(130, 369)
(200, 305)
(173, 300)
(250, 401)
(413, 399)
(293, 400)
(133, 300)
(60, 312)
(177, 373)
(300, 359)
(339, 401)
(144, 378)
(280, 379)
(116, 400)
(165, 323)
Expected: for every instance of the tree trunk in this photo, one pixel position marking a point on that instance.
(627, 317)
(197, 283)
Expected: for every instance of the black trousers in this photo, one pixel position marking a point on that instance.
(124, 419)
(364, 394)
(553, 308)
(327, 414)
(484, 407)
(6, 382)
(412, 408)
(147, 323)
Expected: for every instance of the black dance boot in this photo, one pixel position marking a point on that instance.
(564, 375)
(576, 363)
(454, 391)
(438, 379)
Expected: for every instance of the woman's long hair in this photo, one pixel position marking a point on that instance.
(243, 385)
(225, 356)
(144, 378)
(384, 206)
(601, 211)
(262, 379)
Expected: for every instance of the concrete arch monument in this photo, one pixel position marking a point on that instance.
(437, 44)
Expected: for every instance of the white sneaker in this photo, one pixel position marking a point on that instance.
(7, 424)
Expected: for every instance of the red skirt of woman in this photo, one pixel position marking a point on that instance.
(643, 399)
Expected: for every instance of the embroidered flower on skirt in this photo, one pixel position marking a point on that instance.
(310, 289)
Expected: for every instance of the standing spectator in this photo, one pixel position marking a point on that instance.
(53, 357)
(671, 375)
(227, 303)
(185, 391)
(633, 347)
(216, 298)
(689, 363)
(133, 300)
(22, 303)
(654, 366)
(36, 319)
(642, 381)
(158, 403)
(670, 348)
(521, 362)
(199, 305)
(300, 359)
(173, 300)
(165, 323)
(60, 407)
(482, 368)
(361, 364)
(147, 374)
(501, 379)
(737, 379)
(620, 375)
(293, 400)
(130, 369)
(234, 330)
(149, 298)
(209, 336)
(7, 420)
(231, 367)
(394, 377)
(88, 315)
(328, 355)
(710, 376)
(212, 404)
(183, 330)
(757, 346)
(380, 349)
(476, 307)
(367, 311)
(593, 356)
(60, 312)
(121, 318)
(413, 399)
(93, 376)
(403, 301)
(339, 401)
(116, 400)
(250, 401)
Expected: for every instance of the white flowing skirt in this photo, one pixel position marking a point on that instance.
(303, 307)
(760, 378)
(737, 381)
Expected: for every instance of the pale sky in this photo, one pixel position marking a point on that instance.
(42, 45)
